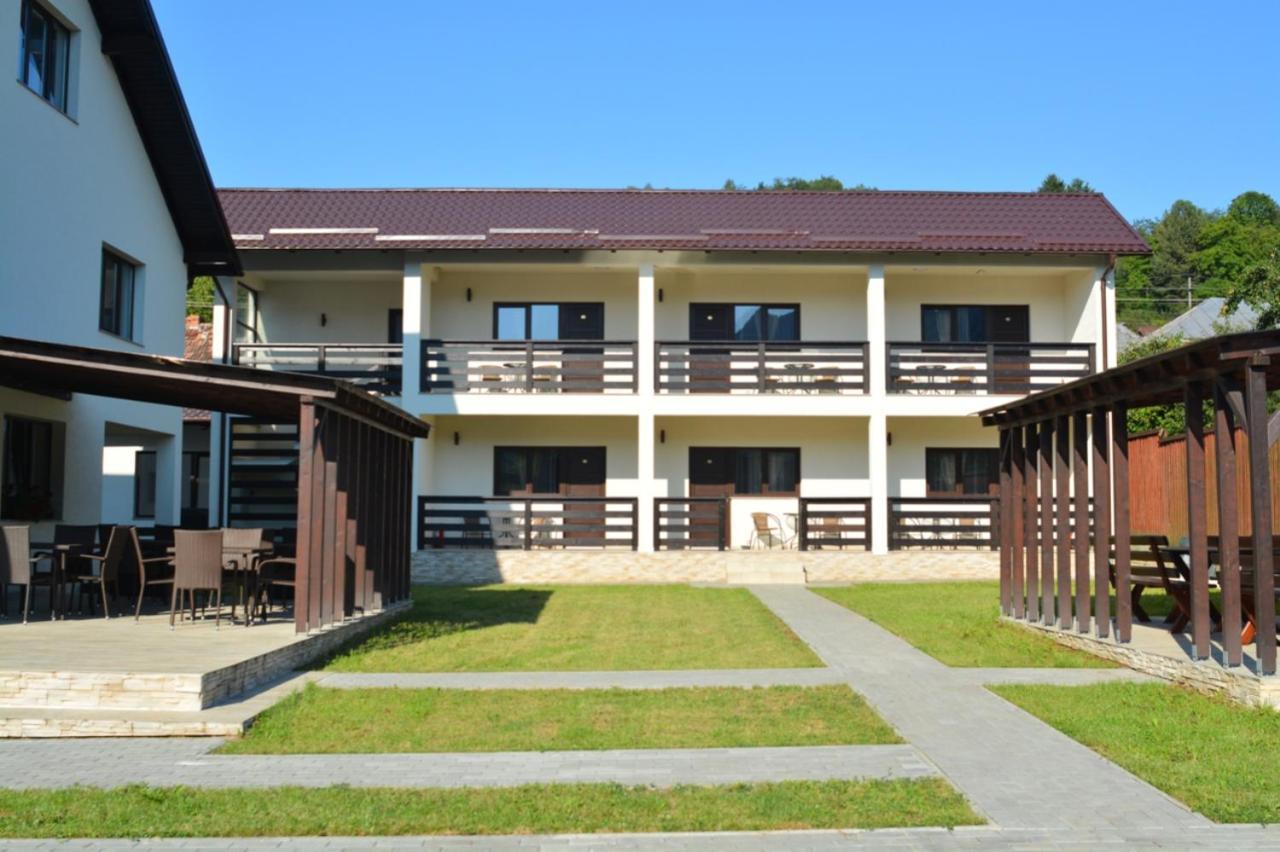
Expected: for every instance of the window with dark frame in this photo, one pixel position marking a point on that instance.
(525, 471)
(951, 471)
(395, 325)
(44, 55)
(144, 484)
(31, 488)
(246, 312)
(548, 321)
(119, 288)
(750, 470)
(744, 322)
(975, 323)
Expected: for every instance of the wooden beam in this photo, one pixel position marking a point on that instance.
(306, 452)
(1032, 533)
(1101, 526)
(1046, 522)
(1120, 502)
(1006, 534)
(1016, 526)
(1080, 530)
(1062, 518)
(1197, 520)
(1224, 441)
(1260, 511)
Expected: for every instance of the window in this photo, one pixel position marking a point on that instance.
(246, 314)
(961, 471)
(548, 321)
(144, 484)
(195, 489)
(975, 324)
(746, 470)
(751, 323)
(45, 54)
(522, 471)
(32, 478)
(119, 286)
(395, 325)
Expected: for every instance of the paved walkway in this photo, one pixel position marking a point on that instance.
(1242, 837)
(168, 762)
(1013, 768)
(587, 680)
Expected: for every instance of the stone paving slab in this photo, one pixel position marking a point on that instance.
(1244, 837)
(1013, 768)
(585, 680)
(28, 764)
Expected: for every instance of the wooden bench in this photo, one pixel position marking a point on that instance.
(1146, 570)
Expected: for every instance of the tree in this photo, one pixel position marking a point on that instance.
(200, 299)
(1255, 208)
(822, 183)
(1053, 183)
(1259, 288)
(1230, 245)
(1166, 419)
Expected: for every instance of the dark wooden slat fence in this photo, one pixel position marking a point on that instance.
(528, 366)
(683, 366)
(984, 368)
(373, 366)
(527, 523)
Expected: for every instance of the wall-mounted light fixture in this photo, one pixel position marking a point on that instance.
(888, 439)
(468, 294)
(324, 320)
(457, 437)
(662, 436)
(659, 294)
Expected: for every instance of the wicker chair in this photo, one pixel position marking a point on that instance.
(18, 568)
(151, 571)
(108, 568)
(241, 553)
(197, 567)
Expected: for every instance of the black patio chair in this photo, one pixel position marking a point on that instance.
(18, 567)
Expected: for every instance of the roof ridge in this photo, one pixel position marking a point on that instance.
(671, 191)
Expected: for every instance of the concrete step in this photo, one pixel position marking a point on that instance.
(754, 571)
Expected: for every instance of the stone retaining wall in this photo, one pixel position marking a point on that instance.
(696, 566)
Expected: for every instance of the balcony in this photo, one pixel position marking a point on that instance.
(688, 367)
(818, 523)
(527, 523)
(373, 366)
(984, 368)
(529, 366)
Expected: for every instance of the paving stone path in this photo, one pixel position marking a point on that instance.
(173, 761)
(1013, 768)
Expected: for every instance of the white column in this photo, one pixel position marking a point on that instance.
(1107, 286)
(877, 425)
(169, 479)
(423, 460)
(224, 320)
(645, 337)
(415, 303)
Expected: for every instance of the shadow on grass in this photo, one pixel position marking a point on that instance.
(444, 610)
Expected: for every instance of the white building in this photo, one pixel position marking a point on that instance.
(107, 210)
(641, 370)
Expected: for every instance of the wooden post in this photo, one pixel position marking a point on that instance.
(1120, 501)
(1046, 522)
(1260, 512)
(1197, 520)
(1080, 475)
(1062, 518)
(339, 602)
(1101, 525)
(306, 452)
(1006, 534)
(1224, 445)
(1015, 525)
(1031, 533)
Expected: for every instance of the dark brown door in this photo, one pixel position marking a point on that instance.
(582, 321)
(709, 368)
(711, 474)
(582, 471)
(1010, 324)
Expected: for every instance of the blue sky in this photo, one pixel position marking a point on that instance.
(1149, 102)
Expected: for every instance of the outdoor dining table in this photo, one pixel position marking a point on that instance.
(1183, 553)
(241, 561)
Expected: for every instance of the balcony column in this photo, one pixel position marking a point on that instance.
(424, 451)
(645, 339)
(224, 323)
(877, 425)
(416, 324)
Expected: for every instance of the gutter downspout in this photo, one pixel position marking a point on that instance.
(1110, 268)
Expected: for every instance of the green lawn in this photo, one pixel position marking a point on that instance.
(537, 809)
(1217, 757)
(957, 624)
(318, 720)
(578, 628)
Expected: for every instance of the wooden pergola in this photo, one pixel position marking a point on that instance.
(1073, 440)
(355, 451)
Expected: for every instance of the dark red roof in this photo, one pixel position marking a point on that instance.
(677, 219)
(198, 347)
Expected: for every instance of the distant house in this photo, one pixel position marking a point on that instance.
(1125, 337)
(1206, 320)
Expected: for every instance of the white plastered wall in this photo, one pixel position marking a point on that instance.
(910, 436)
(355, 308)
(453, 317)
(1052, 297)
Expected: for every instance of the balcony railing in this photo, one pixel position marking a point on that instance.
(834, 523)
(687, 523)
(822, 523)
(944, 523)
(373, 366)
(985, 368)
(528, 366)
(683, 366)
(527, 523)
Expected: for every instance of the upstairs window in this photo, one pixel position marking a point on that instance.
(119, 287)
(44, 55)
(975, 324)
(747, 323)
(548, 321)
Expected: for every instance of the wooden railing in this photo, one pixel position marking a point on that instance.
(686, 523)
(527, 523)
(682, 366)
(834, 522)
(984, 368)
(528, 366)
(373, 366)
(944, 523)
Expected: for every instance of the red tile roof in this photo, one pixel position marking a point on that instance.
(858, 221)
(198, 347)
